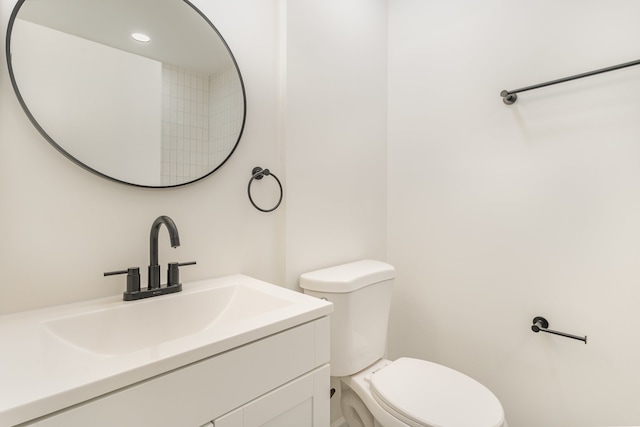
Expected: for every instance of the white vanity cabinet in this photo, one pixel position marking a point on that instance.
(281, 380)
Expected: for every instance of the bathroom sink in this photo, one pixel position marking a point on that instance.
(132, 326)
(59, 356)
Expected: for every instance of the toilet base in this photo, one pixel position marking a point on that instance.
(354, 410)
(357, 387)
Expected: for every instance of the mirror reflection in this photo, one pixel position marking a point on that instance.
(144, 92)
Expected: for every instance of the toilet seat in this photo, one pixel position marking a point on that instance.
(426, 394)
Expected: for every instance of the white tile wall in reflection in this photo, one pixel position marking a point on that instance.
(200, 121)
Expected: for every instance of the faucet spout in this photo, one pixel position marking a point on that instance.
(154, 267)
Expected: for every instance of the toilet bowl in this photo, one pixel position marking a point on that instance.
(376, 392)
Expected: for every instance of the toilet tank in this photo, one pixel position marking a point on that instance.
(361, 294)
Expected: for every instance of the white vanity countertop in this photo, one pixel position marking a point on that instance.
(41, 373)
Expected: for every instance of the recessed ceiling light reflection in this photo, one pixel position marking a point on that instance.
(142, 38)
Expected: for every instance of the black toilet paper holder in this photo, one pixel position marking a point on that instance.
(540, 324)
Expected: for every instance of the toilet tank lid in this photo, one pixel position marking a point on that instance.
(347, 277)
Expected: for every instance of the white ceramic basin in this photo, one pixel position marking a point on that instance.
(59, 356)
(126, 328)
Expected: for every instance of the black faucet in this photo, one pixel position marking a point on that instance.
(154, 266)
(133, 291)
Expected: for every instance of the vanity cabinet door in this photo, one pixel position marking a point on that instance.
(303, 402)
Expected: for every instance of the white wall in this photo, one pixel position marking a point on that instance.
(501, 213)
(62, 227)
(335, 133)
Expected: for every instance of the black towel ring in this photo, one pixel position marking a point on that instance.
(259, 173)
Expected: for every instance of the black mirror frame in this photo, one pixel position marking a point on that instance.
(35, 123)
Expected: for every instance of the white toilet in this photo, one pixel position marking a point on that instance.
(383, 393)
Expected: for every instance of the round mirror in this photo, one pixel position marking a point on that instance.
(143, 92)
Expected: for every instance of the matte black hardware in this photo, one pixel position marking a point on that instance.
(146, 293)
(173, 272)
(133, 291)
(332, 392)
(154, 267)
(258, 173)
(133, 278)
(509, 96)
(540, 324)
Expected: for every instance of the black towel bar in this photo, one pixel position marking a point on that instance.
(509, 96)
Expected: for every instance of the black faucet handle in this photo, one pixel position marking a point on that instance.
(133, 277)
(173, 272)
